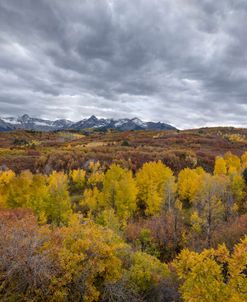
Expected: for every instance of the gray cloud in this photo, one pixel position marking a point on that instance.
(180, 61)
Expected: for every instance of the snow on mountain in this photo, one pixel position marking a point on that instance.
(121, 122)
(30, 123)
(10, 120)
(62, 123)
(138, 122)
(5, 126)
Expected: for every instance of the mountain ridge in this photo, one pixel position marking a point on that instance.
(26, 122)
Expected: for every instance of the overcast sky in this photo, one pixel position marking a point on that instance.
(179, 61)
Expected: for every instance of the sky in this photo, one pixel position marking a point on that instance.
(183, 62)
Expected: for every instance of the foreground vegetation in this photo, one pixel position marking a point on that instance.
(108, 234)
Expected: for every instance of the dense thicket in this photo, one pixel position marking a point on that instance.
(110, 235)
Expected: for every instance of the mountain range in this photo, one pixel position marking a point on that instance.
(30, 123)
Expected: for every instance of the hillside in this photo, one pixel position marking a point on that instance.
(119, 216)
(41, 151)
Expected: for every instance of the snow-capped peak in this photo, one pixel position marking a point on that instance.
(30, 123)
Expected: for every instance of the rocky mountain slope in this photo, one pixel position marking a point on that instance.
(29, 123)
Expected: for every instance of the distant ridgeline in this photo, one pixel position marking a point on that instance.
(28, 123)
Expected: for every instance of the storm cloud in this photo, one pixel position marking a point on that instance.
(178, 61)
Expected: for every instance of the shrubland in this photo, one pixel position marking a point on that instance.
(63, 151)
(121, 233)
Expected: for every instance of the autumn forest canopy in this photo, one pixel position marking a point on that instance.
(122, 231)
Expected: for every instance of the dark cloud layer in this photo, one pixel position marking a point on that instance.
(179, 61)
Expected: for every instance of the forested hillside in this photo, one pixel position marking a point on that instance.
(63, 151)
(121, 230)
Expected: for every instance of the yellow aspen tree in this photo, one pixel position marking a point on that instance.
(92, 200)
(78, 178)
(96, 175)
(19, 191)
(59, 204)
(39, 197)
(238, 190)
(244, 160)
(5, 178)
(156, 185)
(208, 205)
(213, 275)
(220, 166)
(232, 162)
(189, 183)
(119, 191)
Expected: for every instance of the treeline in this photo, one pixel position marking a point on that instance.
(113, 236)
